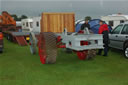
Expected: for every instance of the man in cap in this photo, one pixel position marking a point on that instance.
(86, 24)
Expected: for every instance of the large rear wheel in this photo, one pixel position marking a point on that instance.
(47, 47)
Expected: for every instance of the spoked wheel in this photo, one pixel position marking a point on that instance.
(47, 48)
(33, 43)
(82, 55)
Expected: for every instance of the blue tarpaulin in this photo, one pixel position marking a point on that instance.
(94, 25)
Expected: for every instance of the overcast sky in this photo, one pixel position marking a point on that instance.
(82, 8)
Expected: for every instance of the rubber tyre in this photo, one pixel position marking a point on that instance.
(126, 51)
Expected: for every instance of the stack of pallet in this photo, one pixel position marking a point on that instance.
(56, 22)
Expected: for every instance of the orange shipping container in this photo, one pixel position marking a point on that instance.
(56, 22)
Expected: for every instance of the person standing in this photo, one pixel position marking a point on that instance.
(86, 24)
(105, 31)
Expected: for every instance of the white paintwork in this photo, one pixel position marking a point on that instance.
(116, 18)
(27, 25)
(73, 41)
(36, 28)
(32, 24)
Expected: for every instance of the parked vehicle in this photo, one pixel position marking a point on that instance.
(115, 19)
(7, 23)
(119, 38)
(27, 25)
(1, 42)
(58, 31)
(31, 24)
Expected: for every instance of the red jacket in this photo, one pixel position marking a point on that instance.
(102, 28)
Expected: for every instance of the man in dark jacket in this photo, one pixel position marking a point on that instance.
(85, 25)
(105, 31)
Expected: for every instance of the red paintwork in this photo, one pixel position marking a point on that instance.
(61, 46)
(1, 35)
(41, 49)
(58, 39)
(59, 43)
(30, 43)
(82, 55)
(81, 31)
(21, 40)
(42, 57)
(84, 43)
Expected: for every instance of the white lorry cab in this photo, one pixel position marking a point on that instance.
(27, 25)
(36, 24)
(31, 24)
(115, 19)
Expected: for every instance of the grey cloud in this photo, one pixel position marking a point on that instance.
(81, 8)
(65, 0)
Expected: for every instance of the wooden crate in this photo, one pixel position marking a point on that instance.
(56, 22)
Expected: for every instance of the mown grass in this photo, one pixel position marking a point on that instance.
(19, 67)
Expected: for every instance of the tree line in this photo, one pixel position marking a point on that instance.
(16, 18)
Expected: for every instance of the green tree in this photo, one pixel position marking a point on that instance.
(15, 17)
(88, 18)
(23, 17)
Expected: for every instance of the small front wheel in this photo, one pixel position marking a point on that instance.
(82, 55)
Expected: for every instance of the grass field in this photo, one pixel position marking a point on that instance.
(19, 67)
